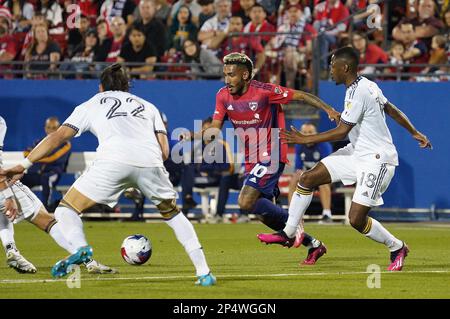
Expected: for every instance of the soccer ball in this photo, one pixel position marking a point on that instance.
(136, 249)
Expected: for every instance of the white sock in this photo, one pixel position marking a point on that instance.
(6, 231)
(59, 238)
(326, 212)
(380, 234)
(299, 203)
(185, 233)
(71, 227)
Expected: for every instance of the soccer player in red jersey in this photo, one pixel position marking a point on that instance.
(254, 108)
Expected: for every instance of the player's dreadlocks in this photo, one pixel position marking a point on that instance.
(115, 78)
(239, 59)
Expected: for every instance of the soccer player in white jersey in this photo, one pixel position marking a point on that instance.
(132, 146)
(13, 194)
(369, 160)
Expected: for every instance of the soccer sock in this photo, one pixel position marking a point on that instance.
(375, 231)
(299, 203)
(326, 212)
(185, 233)
(6, 232)
(270, 214)
(57, 235)
(310, 242)
(71, 227)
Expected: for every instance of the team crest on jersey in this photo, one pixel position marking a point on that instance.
(253, 105)
(348, 105)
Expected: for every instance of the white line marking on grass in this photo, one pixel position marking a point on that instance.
(312, 274)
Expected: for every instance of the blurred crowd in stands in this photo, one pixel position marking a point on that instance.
(190, 37)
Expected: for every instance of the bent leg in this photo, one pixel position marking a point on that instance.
(302, 197)
(371, 228)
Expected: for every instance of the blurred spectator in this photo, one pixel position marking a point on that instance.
(202, 60)
(47, 171)
(426, 25)
(249, 45)
(109, 50)
(207, 11)
(217, 24)
(369, 53)
(283, 16)
(37, 19)
(446, 29)
(396, 57)
(52, 12)
(8, 45)
(244, 12)
(415, 50)
(438, 54)
(328, 17)
(193, 6)
(76, 35)
(102, 29)
(122, 8)
(82, 57)
(155, 30)
(138, 50)
(21, 12)
(42, 49)
(294, 50)
(182, 29)
(258, 23)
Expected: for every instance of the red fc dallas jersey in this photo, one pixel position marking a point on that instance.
(259, 108)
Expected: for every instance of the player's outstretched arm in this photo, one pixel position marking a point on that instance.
(45, 147)
(401, 118)
(296, 137)
(313, 100)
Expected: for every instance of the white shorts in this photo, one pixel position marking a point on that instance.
(105, 180)
(371, 178)
(27, 202)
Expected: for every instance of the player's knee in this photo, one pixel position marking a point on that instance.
(168, 208)
(357, 222)
(246, 204)
(307, 180)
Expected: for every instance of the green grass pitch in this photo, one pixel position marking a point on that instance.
(244, 267)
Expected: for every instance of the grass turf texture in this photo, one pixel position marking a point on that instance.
(244, 267)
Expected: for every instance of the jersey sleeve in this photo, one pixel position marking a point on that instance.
(353, 111)
(78, 120)
(159, 124)
(220, 111)
(3, 129)
(279, 95)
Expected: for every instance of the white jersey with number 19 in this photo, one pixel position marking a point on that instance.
(125, 126)
(370, 136)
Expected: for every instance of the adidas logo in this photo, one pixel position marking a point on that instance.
(230, 107)
(253, 179)
(365, 194)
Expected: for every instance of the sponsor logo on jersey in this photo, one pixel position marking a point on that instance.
(253, 105)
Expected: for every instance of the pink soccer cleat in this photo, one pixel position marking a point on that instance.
(282, 239)
(398, 258)
(314, 254)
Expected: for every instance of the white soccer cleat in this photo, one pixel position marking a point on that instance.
(16, 261)
(94, 267)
